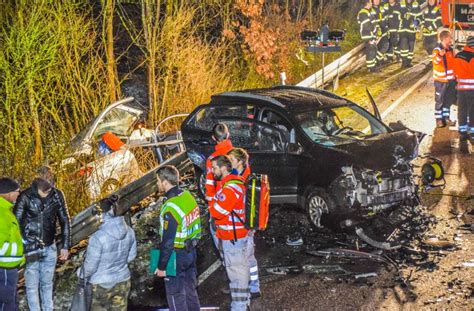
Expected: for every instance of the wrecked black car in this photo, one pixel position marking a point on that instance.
(321, 152)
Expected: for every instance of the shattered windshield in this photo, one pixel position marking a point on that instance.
(332, 126)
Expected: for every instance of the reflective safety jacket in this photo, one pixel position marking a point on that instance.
(393, 17)
(185, 211)
(213, 185)
(410, 13)
(228, 209)
(366, 27)
(11, 243)
(378, 21)
(464, 69)
(443, 66)
(431, 21)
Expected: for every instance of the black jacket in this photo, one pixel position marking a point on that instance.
(37, 218)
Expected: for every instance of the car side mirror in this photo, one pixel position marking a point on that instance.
(397, 126)
(295, 148)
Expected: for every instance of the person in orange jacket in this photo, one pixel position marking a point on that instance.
(444, 79)
(464, 72)
(240, 164)
(220, 134)
(228, 212)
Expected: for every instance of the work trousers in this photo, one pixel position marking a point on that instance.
(8, 283)
(110, 299)
(407, 46)
(237, 268)
(445, 96)
(39, 280)
(393, 50)
(466, 111)
(382, 47)
(429, 42)
(370, 55)
(254, 285)
(181, 291)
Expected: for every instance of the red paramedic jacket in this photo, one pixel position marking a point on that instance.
(231, 198)
(464, 69)
(212, 185)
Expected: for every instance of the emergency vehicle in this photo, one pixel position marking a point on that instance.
(459, 16)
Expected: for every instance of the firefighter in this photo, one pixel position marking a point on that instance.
(367, 33)
(228, 212)
(464, 71)
(180, 231)
(410, 13)
(444, 79)
(380, 25)
(220, 134)
(393, 18)
(431, 22)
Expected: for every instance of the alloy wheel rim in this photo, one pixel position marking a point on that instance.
(317, 206)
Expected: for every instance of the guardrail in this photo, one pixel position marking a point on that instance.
(348, 62)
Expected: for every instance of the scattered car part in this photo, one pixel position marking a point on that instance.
(437, 243)
(348, 253)
(294, 240)
(284, 270)
(382, 245)
(365, 275)
(325, 269)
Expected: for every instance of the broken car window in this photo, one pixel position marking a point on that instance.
(208, 116)
(339, 125)
(118, 121)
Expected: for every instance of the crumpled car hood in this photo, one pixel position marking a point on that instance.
(378, 153)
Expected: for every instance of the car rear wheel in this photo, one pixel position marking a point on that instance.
(318, 206)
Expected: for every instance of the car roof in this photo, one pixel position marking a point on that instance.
(291, 98)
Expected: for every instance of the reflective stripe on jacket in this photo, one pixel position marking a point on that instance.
(409, 13)
(230, 200)
(464, 69)
(11, 244)
(185, 211)
(431, 21)
(443, 66)
(393, 17)
(366, 28)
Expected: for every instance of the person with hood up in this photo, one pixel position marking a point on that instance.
(110, 250)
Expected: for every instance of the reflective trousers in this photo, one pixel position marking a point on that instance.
(393, 50)
(254, 284)
(445, 96)
(407, 46)
(370, 55)
(237, 268)
(382, 48)
(429, 42)
(466, 111)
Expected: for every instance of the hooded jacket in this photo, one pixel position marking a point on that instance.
(110, 250)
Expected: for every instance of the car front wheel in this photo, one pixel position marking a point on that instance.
(318, 205)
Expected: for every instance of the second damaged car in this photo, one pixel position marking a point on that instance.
(321, 152)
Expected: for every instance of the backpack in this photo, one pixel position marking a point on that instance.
(257, 202)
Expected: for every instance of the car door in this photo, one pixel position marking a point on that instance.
(288, 159)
